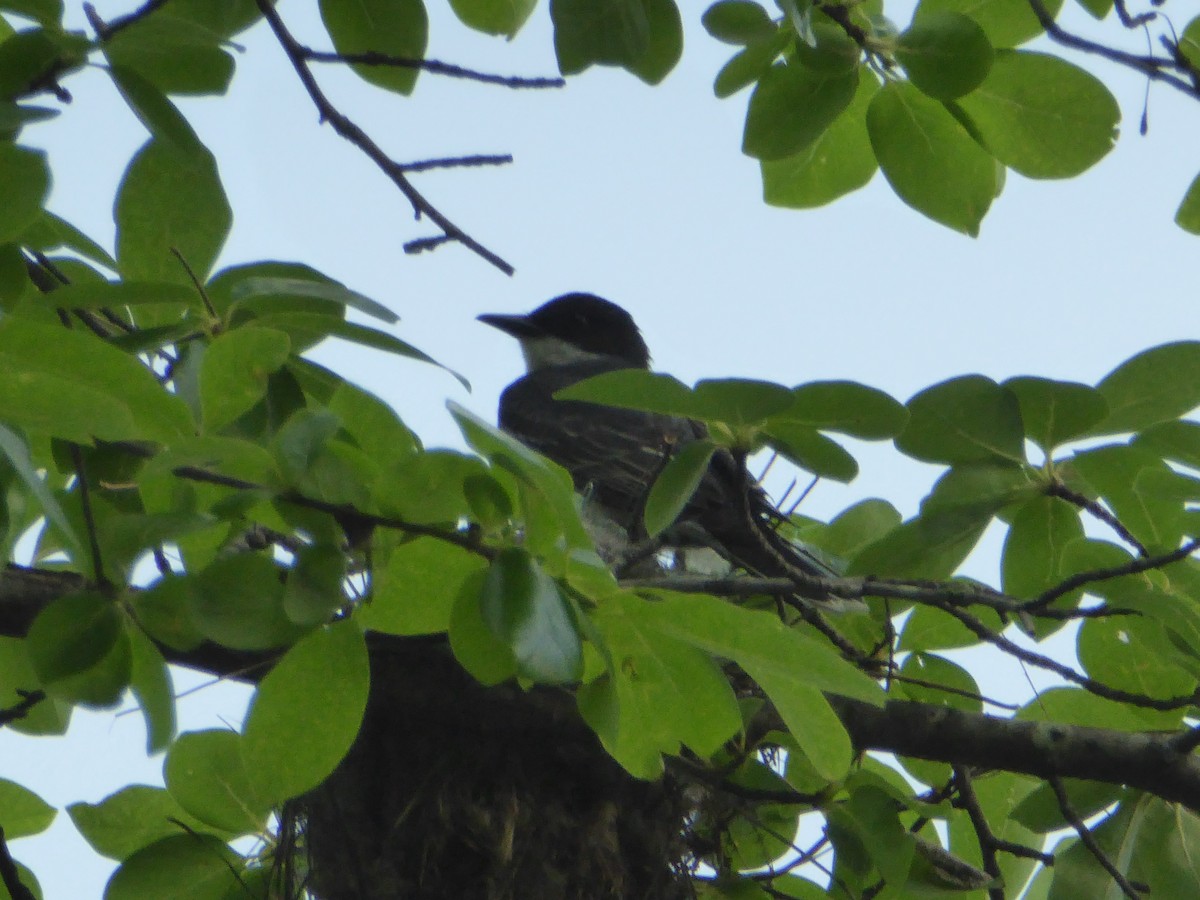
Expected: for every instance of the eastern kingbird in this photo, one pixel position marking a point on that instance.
(615, 455)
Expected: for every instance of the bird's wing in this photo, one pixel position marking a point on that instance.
(613, 455)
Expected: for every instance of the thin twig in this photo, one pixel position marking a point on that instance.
(106, 30)
(1089, 840)
(983, 831)
(1058, 489)
(1157, 68)
(89, 518)
(1044, 662)
(436, 67)
(355, 135)
(1134, 567)
(196, 282)
(20, 709)
(453, 162)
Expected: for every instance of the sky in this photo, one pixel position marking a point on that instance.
(641, 195)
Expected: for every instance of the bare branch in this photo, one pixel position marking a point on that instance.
(436, 67)
(1057, 489)
(347, 129)
(1088, 840)
(1134, 567)
(983, 831)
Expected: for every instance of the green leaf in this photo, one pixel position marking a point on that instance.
(273, 289)
(810, 450)
(840, 161)
(80, 650)
(1040, 810)
(393, 27)
(310, 328)
(45, 12)
(524, 607)
(24, 185)
(749, 65)
(155, 111)
(830, 50)
(738, 402)
(862, 524)
(415, 592)
(818, 731)
(738, 22)
(608, 32)
(428, 488)
(1006, 23)
(675, 485)
(1189, 41)
(966, 419)
(1042, 116)
(1054, 412)
(22, 812)
(931, 546)
(151, 683)
(1187, 216)
(1037, 539)
(929, 628)
(1155, 386)
(1174, 440)
(16, 675)
(849, 408)
(233, 373)
(488, 658)
(945, 54)
(659, 693)
(1133, 653)
(1098, 9)
(757, 640)
(15, 116)
(1115, 472)
(314, 590)
(929, 159)
(792, 107)
(634, 389)
(116, 294)
(173, 54)
(170, 200)
(306, 712)
(665, 45)
(28, 57)
(494, 16)
(51, 232)
(15, 449)
(373, 424)
(238, 603)
(936, 671)
(130, 819)
(207, 776)
(202, 867)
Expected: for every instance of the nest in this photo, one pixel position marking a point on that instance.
(455, 790)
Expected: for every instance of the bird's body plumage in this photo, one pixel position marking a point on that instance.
(615, 455)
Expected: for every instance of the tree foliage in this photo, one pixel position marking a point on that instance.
(197, 491)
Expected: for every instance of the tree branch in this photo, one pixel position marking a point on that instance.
(374, 58)
(347, 129)
(1089, 840)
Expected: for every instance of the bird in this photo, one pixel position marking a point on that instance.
(614, 455)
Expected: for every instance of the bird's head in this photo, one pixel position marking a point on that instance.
(575, 328)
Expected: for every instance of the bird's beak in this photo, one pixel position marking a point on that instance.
(517, 326)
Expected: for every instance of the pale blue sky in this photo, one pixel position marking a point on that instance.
(640, 194)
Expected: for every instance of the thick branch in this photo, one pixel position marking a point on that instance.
(1148, 762)
(1041, 749)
